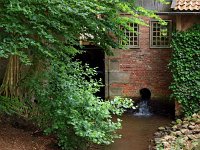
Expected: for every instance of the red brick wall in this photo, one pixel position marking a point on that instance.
(146, 68)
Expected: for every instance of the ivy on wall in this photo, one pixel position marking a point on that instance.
(185, 67)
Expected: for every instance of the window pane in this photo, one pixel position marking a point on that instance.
(160, 35)
(132, 35)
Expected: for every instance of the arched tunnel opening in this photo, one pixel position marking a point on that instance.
(145, 94)
(158, 105)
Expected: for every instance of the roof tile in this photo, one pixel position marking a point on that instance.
(182, 5)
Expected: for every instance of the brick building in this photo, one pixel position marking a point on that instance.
(145, 63)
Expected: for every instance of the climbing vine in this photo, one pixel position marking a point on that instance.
(185, 67)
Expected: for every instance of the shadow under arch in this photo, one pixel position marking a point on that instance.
(145, 94)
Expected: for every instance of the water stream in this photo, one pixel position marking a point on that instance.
(137, 131)
(144, 109)
(139, 127)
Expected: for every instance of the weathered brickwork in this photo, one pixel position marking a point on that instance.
(128, 71)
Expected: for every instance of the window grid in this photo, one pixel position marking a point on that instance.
(160, 36)
(132, 36)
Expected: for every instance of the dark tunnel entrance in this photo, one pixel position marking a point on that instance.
(145, 94)
(95, 56)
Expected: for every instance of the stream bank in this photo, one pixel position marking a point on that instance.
(180, 134)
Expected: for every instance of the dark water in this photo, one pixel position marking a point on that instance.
(137, 132)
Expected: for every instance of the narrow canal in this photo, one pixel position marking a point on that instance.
(137, 131)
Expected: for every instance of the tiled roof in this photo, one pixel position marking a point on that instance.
(186, 5)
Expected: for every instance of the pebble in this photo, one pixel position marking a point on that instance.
(157, 140)
(184, 131)
(191, 127)
(185, 125)
(178, 121)
(174, 127)
(161, 128)
(173, 122)
(187, 130)
(198, 121)
(191, 137)
(167, 137)
(178, 133)
(186, 138)
(157, 134)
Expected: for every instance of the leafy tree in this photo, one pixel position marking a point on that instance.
(51, 28)
(40, 38)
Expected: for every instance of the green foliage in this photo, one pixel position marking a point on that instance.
(51, 28)
(185, 67)
(11, 106)
(178, 144)
(69, 109)
(159, 146)
(164, 1)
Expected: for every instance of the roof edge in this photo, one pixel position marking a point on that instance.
(179, 13)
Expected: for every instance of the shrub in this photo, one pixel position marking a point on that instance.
(11, 106)
(68, 108)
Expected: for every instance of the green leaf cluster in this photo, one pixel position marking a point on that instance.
(48, 32)
(185, 67)
(52, 28)
(68, 108)
(11, 106)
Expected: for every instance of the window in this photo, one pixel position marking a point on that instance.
(132, 36)
(160, 36)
